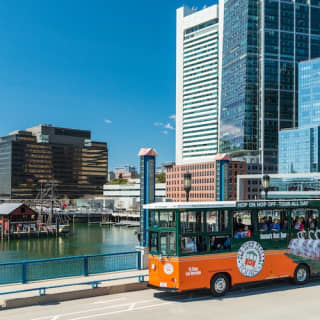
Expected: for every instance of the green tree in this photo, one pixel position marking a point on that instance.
(119, 181)
(161, 177)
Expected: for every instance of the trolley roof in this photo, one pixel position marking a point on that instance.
(250, 204)
(190, 205)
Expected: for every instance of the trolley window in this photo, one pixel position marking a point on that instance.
(167, 219)
(217, 242)
(153, 243)
(154, 219)
(168, 243)
(242, 224)
(312, 221)
(189, 245)
(305, 219)
(273, 220)
(192, 221)
(217, 221)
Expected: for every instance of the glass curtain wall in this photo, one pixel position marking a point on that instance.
(262, 49)
(76, 171)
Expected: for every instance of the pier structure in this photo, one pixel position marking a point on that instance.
(17, 220)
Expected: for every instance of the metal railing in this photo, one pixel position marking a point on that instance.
(34, 270)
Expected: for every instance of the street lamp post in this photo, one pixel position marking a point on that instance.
(266, 184)
(187, 184)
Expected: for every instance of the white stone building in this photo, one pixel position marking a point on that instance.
(127, 196)
(198, 66)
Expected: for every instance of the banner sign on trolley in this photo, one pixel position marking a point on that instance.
(274, 204)
(270, 236)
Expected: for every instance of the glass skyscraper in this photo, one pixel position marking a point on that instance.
(299, 148)
(309, 93)
(263, 42)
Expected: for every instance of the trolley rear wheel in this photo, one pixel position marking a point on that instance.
(219, 285)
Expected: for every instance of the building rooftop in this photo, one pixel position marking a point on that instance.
(147, 152)
(223, 156)
(187, 11)
(309, 60)
(7, 208)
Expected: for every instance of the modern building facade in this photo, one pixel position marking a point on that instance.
(33, 158)
(127, 196)
(162, 167)
(197, 84)
(111, 175)
(283, 186)
(211, 181)
(126, 172)
(295, 186)
(299, 149)
(263, 42)
(309, 93)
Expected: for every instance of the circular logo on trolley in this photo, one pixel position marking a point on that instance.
(250, 259)
(168, 268)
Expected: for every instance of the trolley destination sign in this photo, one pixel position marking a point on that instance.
(274, 204)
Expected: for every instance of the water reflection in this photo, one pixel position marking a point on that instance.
(85, 239)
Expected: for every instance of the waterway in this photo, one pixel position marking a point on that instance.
(84, 239)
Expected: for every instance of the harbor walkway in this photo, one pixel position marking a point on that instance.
(117, 282)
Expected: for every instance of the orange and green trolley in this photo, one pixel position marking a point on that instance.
(217, 245)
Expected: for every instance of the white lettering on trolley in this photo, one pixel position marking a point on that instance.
(193, 271)
(273, 204)
(268, 236)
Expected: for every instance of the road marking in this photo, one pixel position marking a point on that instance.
(56, 317)
(127, 304)
(108, 301)
(131, 306)
(121, 311)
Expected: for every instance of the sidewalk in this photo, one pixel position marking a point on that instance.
(72, 292)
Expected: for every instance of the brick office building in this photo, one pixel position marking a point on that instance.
(211, 181)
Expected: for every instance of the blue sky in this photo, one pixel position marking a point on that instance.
(105, 66)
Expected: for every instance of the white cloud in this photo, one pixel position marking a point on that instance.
(169, 126)
(165, 126)
(173, 117)
(107, 121)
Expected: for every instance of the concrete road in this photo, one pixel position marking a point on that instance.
(274, 301)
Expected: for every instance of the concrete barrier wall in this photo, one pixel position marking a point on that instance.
(72, 295)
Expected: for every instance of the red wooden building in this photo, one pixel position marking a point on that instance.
(17, 217)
